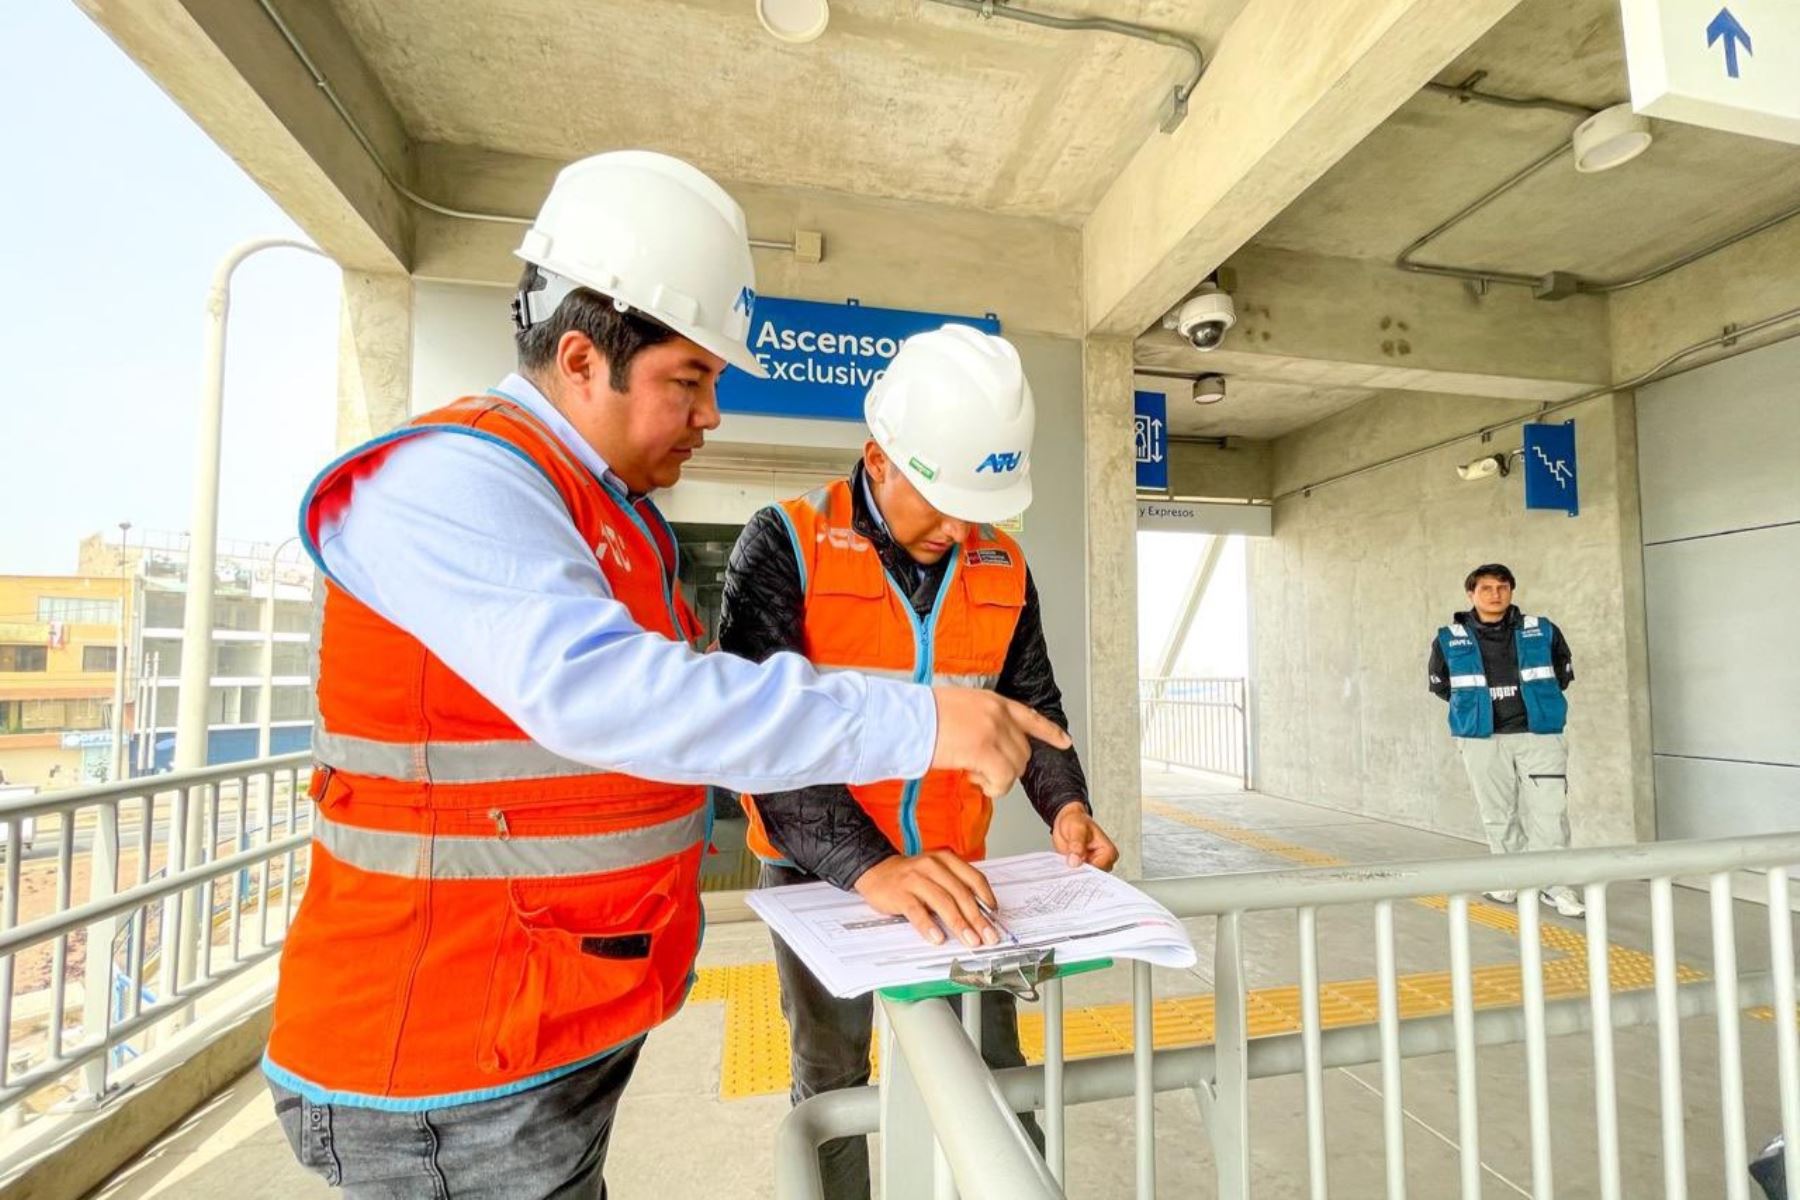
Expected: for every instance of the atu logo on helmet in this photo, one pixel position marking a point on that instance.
(1001, 461)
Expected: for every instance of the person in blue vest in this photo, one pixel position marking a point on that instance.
(1504, 673)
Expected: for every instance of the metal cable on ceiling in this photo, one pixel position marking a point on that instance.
(1556, 284)
(1178, 101)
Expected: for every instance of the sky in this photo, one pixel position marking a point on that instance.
(1218, 642)
(116, 210)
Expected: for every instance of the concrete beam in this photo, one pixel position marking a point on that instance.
(1293, 86)
(227, 65)
(1350, 323)
(1242, 469)
(1757, 278)
(1114, 768)
(892, 253)
(374, 356)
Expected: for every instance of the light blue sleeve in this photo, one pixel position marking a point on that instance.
(465, 545)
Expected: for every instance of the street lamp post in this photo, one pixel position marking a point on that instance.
(265, 700)
(119, 757)
(197, 607)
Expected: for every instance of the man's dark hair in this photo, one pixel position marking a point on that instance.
(1490, 571)
(620, 336)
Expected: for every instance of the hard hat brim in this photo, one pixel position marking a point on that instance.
(968, 504)
(735, 354)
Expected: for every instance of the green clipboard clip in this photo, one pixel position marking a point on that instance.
(1018, 972)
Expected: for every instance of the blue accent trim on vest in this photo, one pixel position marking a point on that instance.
(414, 1104)
(926, 660)
(1472, 706)
(794, 539)
(909, 791)
(393, 435)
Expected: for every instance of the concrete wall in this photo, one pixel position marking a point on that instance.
(1358, 577)
(1721, 531)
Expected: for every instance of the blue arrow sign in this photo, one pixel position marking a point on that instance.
(1725, 27)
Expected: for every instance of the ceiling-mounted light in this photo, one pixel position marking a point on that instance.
(1610, 137)
(794, 20)
(1209, 389)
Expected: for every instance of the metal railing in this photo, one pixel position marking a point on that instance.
(962, 1097)
(190, 880)
(1199, 723)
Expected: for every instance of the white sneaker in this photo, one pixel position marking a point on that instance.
(1564, 900)
(1502, 897)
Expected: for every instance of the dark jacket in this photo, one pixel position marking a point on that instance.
(821, 829)
(1500, 663)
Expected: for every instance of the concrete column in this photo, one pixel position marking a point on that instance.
(374, 355)
(1110, 475)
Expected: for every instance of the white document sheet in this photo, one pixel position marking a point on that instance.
(1082, 912)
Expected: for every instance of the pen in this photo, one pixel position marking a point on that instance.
(994, 920)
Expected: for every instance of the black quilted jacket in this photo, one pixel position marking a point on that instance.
(821, 829)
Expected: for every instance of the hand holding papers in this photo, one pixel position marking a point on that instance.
(1079, 912)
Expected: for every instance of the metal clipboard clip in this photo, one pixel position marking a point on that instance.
(1016, 971)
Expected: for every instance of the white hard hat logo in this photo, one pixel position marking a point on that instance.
(1001, 462)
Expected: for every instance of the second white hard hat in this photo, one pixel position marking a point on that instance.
(954, 412)
(656, 236)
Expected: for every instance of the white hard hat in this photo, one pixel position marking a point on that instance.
(653, 234)
(954, 413)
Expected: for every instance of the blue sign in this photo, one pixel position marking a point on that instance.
(1550, 467)
(1152, 441)
(822, 358)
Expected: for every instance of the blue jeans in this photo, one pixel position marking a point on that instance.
(548, 1143)
(830, 1048)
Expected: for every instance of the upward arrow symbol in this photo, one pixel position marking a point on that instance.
(1725, 27)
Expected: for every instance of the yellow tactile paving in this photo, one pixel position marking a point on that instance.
(755, 1061)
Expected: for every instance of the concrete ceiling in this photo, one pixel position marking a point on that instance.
(1257, 408)
(1437, 154)
(909, 100)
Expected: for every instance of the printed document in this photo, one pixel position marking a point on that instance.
(1082, 912)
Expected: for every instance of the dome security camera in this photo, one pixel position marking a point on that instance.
(1204, 317)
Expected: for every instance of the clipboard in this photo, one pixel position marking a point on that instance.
(1018, 972)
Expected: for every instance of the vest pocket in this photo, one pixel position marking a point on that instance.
(587, 962)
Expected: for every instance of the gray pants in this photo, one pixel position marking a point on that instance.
(548, 1143)
(831, 1039)
(1521, 783)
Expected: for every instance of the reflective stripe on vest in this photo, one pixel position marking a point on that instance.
(422, 856)
(443, 762)
(1468, 681)
(937, 679)
(1531, 673)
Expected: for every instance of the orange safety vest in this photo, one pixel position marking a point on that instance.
(481, 915)
(857, 619)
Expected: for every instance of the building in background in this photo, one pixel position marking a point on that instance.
(60, 662)
(59, 654)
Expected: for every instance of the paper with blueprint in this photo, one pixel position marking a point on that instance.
(1081, 912)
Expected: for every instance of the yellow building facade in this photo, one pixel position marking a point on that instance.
(59, 652)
